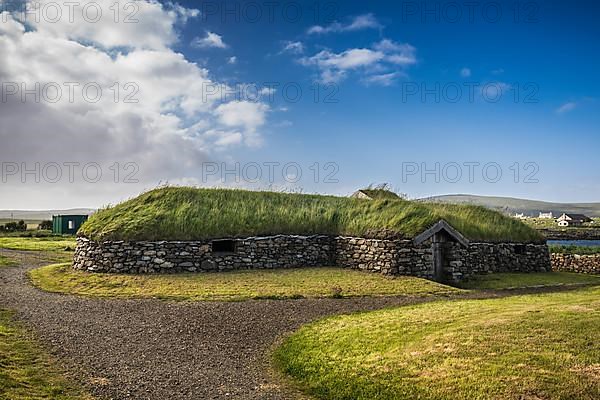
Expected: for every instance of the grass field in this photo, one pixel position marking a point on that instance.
(27, 221)
(6, 262)
(279, 284)
(26, 372)
(523, 347)
(517, 280)
(581, 250)
(236, 285)
(181, 213)
(548, 223)
(50, 243)
(28, 233)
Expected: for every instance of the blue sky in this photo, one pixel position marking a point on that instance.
(373, 59)
(552, 46)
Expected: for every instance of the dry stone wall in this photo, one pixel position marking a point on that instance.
(486, 258)
(388, 257)
(195, 256)
(571, 233)
(587, 264)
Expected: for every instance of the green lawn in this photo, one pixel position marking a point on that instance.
(6, 262)
(524, 347)
(236, 285)
(278, 283)
(184, 213)
(51, 243)
(522, 280)
(26, 372)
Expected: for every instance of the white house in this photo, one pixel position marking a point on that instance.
(546, 215)
(572, 219)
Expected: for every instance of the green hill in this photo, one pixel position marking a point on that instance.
(513, 205)
(182, 213)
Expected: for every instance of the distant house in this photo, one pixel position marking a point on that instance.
(546, 215)
(572, 219)
(521, 216)
(361, 194)
(372, 194)
(67, 224)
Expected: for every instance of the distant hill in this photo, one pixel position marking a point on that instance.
(512, 205)
(40, 215)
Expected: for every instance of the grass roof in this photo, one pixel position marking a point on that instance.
(184, 213)
(380, 194)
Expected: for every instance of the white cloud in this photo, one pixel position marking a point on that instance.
(292, 47)
(565, 108)
(386, 54)
(212, 40)
(397, 53)
(150, 25)
(365, 21)
(244, 114)
(401, 59)
(387, 45)
(167, 132)
(349, 59)
(267, 91)
(360, 22)
(465, 72)
(232, 60)
(383, 79)
(225, 138)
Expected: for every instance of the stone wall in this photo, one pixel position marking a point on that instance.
(587, 264)
(485, 258)
(194, 256)
(389, 257)
(403, 257)
(571, 233)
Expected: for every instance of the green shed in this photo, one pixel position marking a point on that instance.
(67, 224)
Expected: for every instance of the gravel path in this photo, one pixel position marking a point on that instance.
(152, 349)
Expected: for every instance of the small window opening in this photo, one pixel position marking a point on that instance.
(71, 224)
(223, 246)
(520, 249)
